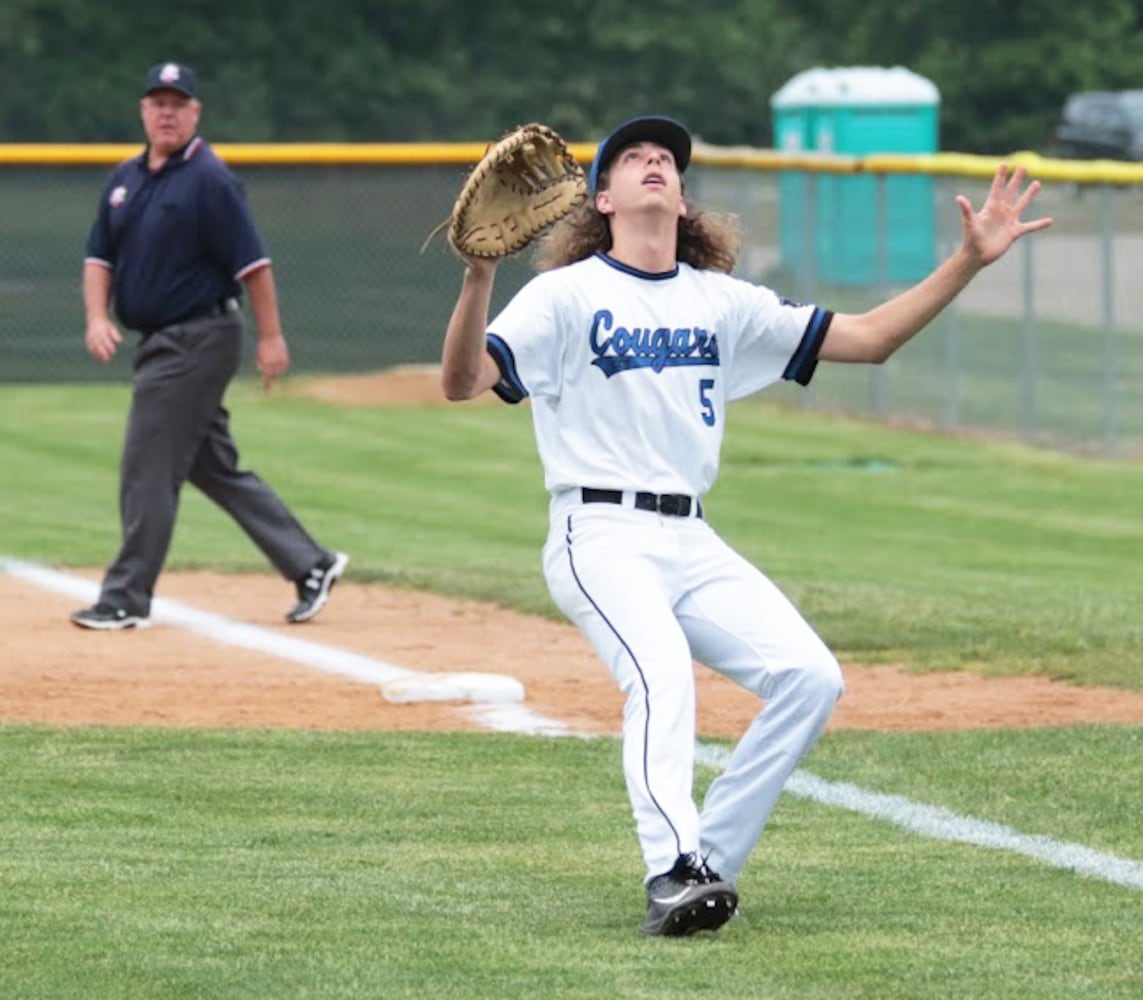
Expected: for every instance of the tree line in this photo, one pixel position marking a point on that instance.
(465, 70)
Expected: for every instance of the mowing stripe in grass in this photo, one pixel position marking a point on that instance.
(927, 821)
(941, 824)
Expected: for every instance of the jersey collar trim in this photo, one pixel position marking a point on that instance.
(191, 148)
(178, 156)
(635, 272)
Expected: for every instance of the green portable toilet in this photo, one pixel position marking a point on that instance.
(857, 111)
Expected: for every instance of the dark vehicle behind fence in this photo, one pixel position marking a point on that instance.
(1101, 125)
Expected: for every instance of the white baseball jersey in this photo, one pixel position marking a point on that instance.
(600, 346)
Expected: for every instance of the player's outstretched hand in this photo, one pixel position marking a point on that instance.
(990, 232)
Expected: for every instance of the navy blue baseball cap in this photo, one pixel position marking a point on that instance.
(664, 131)
(171, 76)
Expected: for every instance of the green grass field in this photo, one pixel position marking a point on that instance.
(149, 863)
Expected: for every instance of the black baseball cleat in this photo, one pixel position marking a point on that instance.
(688, 898)
(106, 617)
(314, 587)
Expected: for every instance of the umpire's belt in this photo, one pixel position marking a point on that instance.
(671, 504)
(219, 308)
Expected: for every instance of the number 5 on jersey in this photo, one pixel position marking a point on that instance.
(705, 385)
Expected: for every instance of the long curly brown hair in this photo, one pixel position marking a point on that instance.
(707, 241)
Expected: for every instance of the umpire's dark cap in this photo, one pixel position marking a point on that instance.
(664, 131)
(171, 76)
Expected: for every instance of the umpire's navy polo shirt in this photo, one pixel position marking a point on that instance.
(178, 239)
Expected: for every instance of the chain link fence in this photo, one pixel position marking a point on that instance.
(1046, 345)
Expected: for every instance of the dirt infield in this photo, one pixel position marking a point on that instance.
(54, 673)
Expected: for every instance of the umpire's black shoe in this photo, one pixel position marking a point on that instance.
(107, 617)
(688, 898)
(314, 587)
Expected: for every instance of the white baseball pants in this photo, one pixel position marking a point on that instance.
(652, 593)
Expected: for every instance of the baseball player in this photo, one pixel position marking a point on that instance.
(629, 345)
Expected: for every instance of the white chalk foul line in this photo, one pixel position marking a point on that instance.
(329, 659)
(938, 823)
(509, 718)
(933, 822)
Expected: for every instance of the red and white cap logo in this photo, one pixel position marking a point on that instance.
(169, 73)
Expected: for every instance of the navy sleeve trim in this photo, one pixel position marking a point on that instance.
(805, 360)
(509, 388)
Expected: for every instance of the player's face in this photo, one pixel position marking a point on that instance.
(642, 176)
(169, 119)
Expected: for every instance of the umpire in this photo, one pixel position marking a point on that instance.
(172, 246)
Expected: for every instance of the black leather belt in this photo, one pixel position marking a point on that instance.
(219, 308)
(671, 504)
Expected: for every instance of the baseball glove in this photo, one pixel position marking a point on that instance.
(523, 184)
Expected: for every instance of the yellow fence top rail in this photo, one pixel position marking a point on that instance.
(467, 153)
(286, 153)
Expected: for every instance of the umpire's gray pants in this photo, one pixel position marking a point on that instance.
(178, 430)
